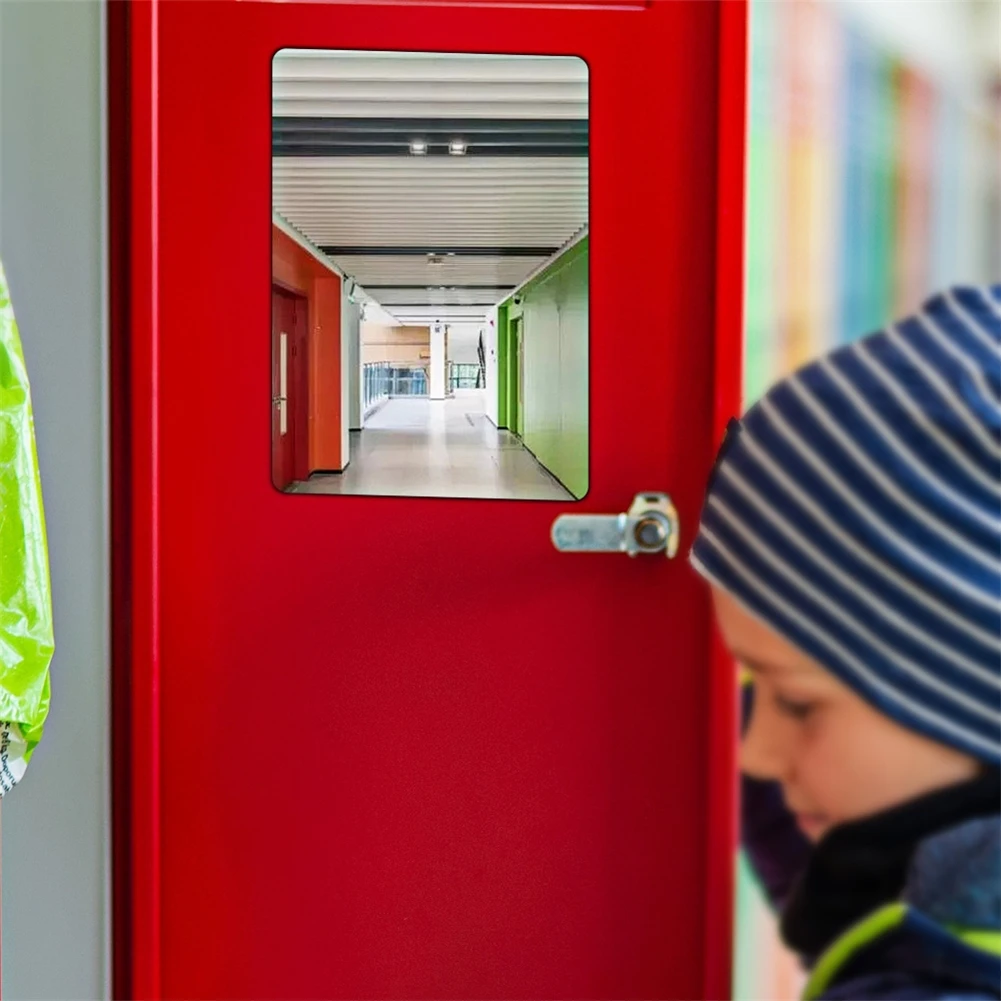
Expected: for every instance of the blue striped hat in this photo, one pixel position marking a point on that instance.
(856, 510)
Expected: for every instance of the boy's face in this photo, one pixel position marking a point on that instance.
(836, 758)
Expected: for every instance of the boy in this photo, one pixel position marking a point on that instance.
(852, 538)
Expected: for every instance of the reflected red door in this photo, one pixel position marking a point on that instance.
(289, 389)
(282, 322)
(329, 796)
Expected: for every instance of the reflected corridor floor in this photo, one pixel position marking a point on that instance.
(438, 448)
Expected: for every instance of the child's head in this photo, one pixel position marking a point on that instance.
(852, 535)
(836, 757)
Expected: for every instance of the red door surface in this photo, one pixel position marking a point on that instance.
(289, 382)
(327, 795)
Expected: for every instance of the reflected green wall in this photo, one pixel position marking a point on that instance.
(553, 310)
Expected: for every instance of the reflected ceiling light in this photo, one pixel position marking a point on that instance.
(457, 147)
(418, 147)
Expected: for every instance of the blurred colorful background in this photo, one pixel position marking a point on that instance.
(874, 179)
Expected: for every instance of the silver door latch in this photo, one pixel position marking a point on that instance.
(650, 526)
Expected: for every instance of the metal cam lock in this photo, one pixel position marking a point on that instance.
(650, 526)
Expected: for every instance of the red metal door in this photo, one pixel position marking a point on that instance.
(289, 389)
(328, 796)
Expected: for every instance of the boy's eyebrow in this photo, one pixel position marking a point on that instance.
(750, 664)
(757, 667)
(760, 667)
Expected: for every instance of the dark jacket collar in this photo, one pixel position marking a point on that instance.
(858, 867)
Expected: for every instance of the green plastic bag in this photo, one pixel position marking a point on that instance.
(26, 640)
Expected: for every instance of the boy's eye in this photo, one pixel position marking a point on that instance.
(794, 708)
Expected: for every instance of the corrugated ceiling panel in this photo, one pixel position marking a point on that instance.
(432, 201)
(502, 271)
(360, 84)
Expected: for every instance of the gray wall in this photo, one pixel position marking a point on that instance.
(52, 239)
(351, 368)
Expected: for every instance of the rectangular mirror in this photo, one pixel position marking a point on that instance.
(430, 284)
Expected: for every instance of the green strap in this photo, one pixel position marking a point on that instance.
(869, 929)
(842, 949)
(984, 939)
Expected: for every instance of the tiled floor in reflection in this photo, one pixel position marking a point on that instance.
(438, 448)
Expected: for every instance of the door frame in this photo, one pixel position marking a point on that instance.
(133, 296)
(723, 833)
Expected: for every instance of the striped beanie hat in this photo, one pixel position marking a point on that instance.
(856, 510)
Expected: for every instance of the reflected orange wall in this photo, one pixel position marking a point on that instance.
(298, 271)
